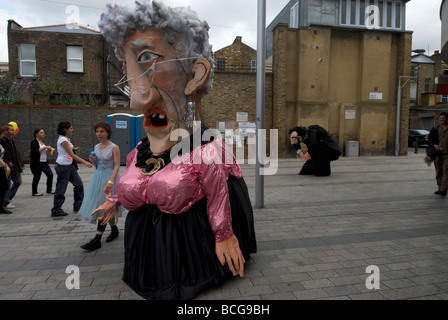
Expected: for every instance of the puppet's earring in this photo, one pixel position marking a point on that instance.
(189, 113)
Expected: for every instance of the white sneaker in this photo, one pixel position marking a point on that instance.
(10, 206)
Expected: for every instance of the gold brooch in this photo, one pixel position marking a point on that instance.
(157, 165)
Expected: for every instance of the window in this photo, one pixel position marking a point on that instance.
(364, 13)
(294, 16)
(343, 10)
(397, 15)
(253, 65)
(362, 9)
(428, 84)
(445, 99)
(27, 60)
(389, 14)
(353, 13)
(75, 59)
(414, 71)
(413, 92)
(221, 64)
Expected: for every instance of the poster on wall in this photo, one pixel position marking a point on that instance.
(350, 114)
(242, 117)
(376, 96)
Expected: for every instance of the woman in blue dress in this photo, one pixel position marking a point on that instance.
(107, 159)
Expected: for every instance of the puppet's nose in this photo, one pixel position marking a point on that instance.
(144, 101)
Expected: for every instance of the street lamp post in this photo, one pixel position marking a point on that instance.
(261, 61)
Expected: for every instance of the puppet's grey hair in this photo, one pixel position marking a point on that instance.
(179, 26)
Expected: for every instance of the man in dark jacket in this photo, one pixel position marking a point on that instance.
(322, 149)
(438, 151)
(15, 163)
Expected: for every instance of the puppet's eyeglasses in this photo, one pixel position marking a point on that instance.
(144, 86)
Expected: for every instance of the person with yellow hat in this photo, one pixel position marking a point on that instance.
(15, 163)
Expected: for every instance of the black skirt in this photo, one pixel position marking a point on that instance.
(172, 256)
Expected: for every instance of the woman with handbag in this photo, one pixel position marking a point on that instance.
(39, 162)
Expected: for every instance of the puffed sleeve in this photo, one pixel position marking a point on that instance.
(213, 174)
(122, 185)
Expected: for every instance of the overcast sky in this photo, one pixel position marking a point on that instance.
(227, 18)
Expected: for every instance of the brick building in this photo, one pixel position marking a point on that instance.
(425, 69)
(426, 104)
(78, 53)
(337, 64)
(231, 103)
(237, 57)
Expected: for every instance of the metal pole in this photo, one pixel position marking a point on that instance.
(397, 130)
(261, 62)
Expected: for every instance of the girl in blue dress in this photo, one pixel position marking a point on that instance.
(107, 160)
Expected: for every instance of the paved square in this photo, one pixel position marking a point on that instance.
(316, 238)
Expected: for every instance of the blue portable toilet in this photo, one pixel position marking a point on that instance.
(123, 133)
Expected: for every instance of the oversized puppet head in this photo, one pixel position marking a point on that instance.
(168, 64)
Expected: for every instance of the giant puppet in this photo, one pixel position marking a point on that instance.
(190, 221)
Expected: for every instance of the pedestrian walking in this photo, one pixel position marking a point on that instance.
(67, 171)
(15, 163)
(106, 157)
(4, 174)
(438, 150)
(39, 162)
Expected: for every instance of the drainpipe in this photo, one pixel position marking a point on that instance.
(398, 126)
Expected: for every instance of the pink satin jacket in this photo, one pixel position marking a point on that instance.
(183, 182)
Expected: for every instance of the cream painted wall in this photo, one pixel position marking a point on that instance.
(345, 80)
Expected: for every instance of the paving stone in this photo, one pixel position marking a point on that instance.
(341, 290)
(311, 294)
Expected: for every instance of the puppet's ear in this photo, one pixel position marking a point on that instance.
(200, 72)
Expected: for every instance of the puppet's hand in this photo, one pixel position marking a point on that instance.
(304, 157)
(229, 251)
(108, 188)
(110, 210)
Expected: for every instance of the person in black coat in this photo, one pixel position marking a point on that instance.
(322, 149)
(437, 151)
(5, 171)
(39, 162)
(13, 159)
